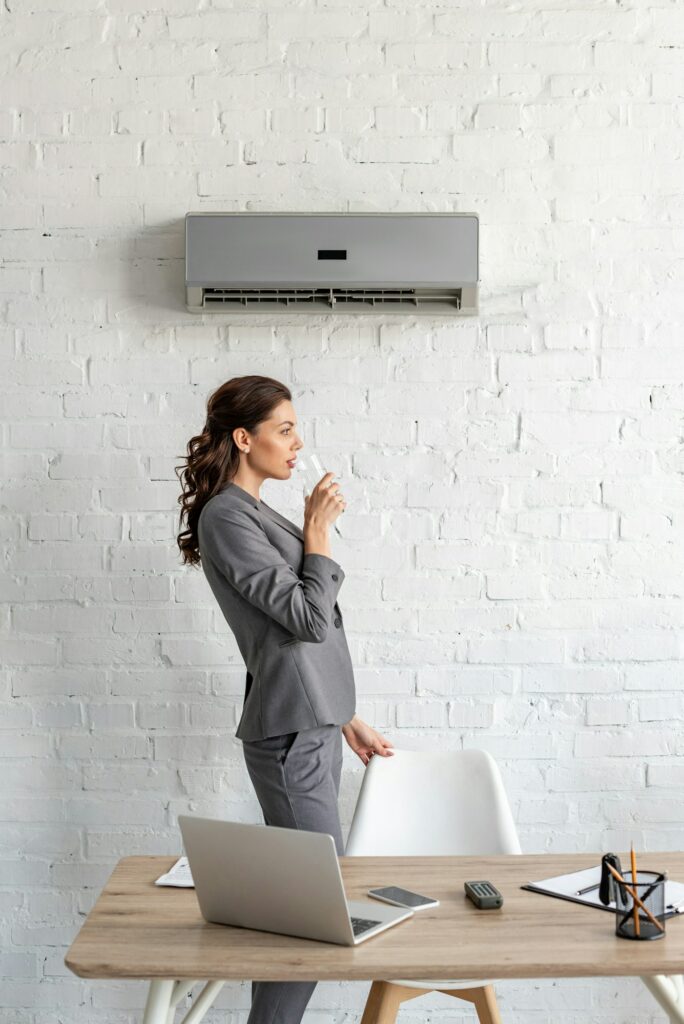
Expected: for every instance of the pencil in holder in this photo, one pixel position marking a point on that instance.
(640, 922)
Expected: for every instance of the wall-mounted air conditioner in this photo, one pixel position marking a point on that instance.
(331, 263)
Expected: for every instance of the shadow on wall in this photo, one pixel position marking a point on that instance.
(152, 278)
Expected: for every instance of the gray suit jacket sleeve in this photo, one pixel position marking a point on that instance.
(241, 550)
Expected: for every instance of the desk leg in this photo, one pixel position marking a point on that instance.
(669, 992)
(204, 1002)
(158, 1002)
(163, 997)
(180, 991)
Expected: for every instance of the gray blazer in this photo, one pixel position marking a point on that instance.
(281, 605)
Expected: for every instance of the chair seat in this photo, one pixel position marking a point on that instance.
(435, 983)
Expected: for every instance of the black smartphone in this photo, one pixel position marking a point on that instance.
(399, 897)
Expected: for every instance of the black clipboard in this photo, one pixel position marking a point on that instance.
(578, 879)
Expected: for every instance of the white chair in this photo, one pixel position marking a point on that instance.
(426, 803)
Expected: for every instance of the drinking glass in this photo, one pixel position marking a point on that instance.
(312, 471)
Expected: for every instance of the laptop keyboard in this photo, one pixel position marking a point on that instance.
(362, 924)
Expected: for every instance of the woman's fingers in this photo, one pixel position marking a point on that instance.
(326, 499)
(325, 481)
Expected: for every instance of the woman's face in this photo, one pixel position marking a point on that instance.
(273, 448)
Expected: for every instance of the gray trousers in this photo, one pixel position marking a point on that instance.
(297, 781)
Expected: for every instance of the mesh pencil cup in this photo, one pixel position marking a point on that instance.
(633, 921)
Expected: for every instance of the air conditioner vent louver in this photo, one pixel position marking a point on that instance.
(326, 299)
(332, 263)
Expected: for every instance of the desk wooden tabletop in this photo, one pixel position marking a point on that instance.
(139, 930)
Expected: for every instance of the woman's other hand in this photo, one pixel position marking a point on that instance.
(365, 741)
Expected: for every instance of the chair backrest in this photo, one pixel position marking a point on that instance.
(419, 802)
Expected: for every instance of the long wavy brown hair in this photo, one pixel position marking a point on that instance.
(213, 457)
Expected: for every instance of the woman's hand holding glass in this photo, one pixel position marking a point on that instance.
(311, 472)
(324, 504)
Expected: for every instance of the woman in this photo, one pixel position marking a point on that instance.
(277, 587)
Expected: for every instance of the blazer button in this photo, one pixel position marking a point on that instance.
(338, 623)
(335, 577)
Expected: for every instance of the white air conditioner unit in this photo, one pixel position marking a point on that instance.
(332, 263)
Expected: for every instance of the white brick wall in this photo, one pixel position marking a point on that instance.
(514, 482)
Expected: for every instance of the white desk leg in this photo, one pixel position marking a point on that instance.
(158, 1002)
(669, 992)
(203, 1002)
(180, 991)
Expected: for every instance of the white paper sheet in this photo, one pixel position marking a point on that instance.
(179, 875)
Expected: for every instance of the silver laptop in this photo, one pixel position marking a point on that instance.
(277, 880)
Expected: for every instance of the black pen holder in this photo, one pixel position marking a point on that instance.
(640, 922)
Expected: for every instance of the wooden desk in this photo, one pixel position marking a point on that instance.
(139, 930)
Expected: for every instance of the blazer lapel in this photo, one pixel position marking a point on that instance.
(265, 509)
(281, 520)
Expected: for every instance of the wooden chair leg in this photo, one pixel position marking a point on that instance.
(483, 998)
(384, 1000)
(487, 1007)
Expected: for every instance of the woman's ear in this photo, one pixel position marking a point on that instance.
(241, 439)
